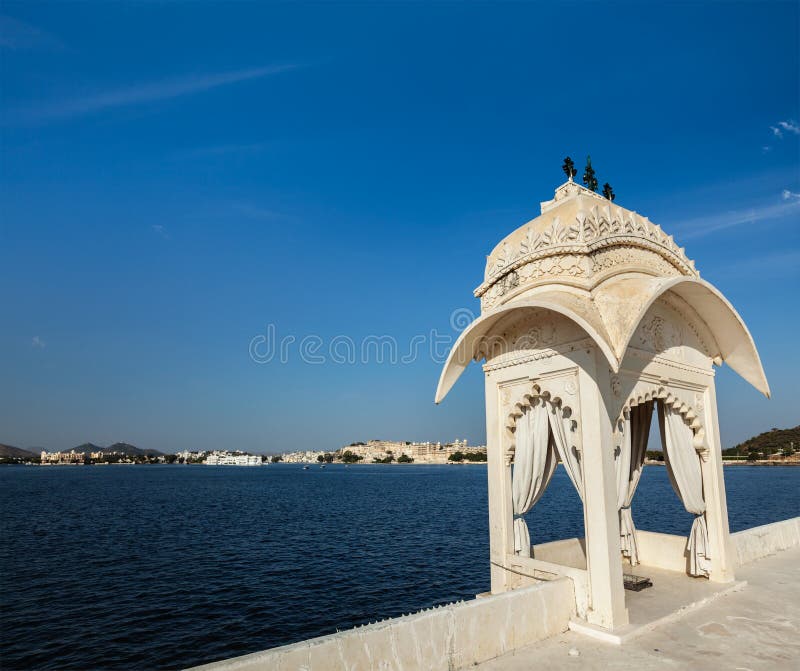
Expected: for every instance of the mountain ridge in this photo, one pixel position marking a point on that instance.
(13, 452)
(10, 451)
(123, 448)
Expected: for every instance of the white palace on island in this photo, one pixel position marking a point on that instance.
(224, 458)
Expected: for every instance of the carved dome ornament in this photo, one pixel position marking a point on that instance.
(580, 235)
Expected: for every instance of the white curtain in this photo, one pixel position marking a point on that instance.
(570, 455)
(534, 463)
(629, 464)
(683, 467)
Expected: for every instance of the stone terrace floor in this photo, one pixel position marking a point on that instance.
(757, 627)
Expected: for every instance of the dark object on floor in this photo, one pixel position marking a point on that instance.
(635, 583)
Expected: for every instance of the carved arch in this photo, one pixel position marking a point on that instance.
(526, 401)
(687, 413)
(734, 343)
(580, 310)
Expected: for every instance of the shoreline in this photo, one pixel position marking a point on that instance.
(281, 463)
(415, 463)
(737, 462)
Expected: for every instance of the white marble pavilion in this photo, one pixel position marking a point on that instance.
(592, 321)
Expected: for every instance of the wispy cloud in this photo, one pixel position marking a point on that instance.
(38, 343)
(783, 127)
(700, 226)
(143, 93)
(160, 231)
(18, 35)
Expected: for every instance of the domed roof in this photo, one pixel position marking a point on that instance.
(580, 239)
(602, 267)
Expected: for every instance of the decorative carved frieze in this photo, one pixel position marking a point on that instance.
(612, 235)
(647, 355)
(566, 266)
(691, 320)
(672, 330)
(610, 258)
(534, 331)
(517, 358)
(575, 268)
(656, 334)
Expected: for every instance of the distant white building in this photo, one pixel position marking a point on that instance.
(228, 459)
(71, 457)
(425, 453)
(306, 457)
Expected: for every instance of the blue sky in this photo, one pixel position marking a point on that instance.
(176, 177)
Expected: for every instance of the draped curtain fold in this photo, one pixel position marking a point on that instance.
(629, 464)
(570, 454)
(534, 464)
(683, 468)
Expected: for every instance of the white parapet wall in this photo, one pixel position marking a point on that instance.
(567, 552)
(758, 542)
(450, 637)
(669, 552)
(665, 551)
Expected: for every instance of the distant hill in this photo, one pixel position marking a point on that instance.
(768, 442)
(131, 450)
(124, 448)
(7, 451)
(86, 448)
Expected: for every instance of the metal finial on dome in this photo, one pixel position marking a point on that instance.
(569, 168)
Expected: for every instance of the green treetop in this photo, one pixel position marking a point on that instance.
(608, 192)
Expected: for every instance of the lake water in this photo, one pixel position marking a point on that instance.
(162, 567)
